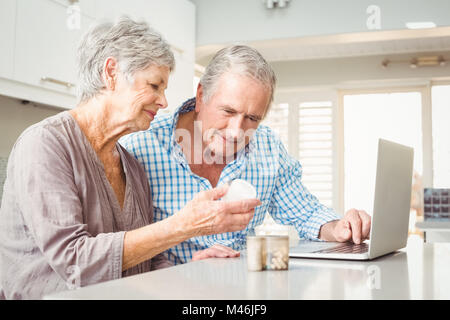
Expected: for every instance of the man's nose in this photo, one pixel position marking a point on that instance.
(235, 128)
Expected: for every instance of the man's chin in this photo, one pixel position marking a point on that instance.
(222, 153)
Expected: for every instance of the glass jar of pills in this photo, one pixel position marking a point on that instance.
(275, 252)
(254, 253)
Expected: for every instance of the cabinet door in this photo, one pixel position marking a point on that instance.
(7, 25)
(45, 48)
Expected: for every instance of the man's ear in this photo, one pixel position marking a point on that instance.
(110, 71)
(198, 98)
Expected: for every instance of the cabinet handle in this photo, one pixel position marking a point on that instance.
(60, 82)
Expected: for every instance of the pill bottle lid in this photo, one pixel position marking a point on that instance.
(255, 238)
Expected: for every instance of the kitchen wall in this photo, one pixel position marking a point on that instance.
(354, 71)
(220, 21)
(15, 117)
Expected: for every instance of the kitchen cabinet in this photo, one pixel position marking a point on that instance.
(7, 23)
(45, 48)
(38, 56)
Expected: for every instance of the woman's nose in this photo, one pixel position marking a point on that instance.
(162, 101)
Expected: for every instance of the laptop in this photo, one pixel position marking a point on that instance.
(390, 218)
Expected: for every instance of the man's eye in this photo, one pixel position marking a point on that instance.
(154, 86)
(253, 119)
(229, 111)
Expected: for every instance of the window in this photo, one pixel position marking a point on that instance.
(440, 96)
(337, 147)
(395, 116)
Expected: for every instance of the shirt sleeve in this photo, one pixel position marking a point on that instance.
(293, 204)
(48, 200)
(159, 261)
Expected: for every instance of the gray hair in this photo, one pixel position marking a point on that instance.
(135, 45)
(239, 59)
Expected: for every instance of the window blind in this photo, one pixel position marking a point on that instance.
(315, 148)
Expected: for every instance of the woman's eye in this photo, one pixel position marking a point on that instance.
(154, 86)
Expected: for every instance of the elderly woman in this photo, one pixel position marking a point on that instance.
(76, 207)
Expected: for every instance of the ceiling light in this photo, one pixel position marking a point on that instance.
(270, 4)
(421, 25)
(418, 62)
(282, 3)
(429, 61)
(413, 63)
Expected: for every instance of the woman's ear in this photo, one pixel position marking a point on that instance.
(110, 70)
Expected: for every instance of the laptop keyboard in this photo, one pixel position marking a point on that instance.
(347, 248)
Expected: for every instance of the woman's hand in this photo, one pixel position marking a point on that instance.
(216, 251)
(204, 215)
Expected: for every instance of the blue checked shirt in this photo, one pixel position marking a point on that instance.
(264, 162)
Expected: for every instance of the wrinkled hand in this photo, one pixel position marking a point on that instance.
(216, 251)
(354, 226)
(205, 215)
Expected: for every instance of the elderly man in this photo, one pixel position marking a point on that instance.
(215, 138)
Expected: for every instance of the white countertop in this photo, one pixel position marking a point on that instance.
(419, 271)
(436, 225)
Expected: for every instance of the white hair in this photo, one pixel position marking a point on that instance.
(239, 59)
(135, 45)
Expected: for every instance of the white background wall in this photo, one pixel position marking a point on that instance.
(225, 21)
(352, 70)
(16, 117)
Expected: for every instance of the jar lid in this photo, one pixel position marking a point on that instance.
(276, 237)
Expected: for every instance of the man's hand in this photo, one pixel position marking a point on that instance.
(354, 226)
(216, 251)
